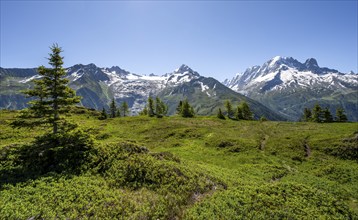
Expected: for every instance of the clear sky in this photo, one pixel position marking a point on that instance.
(215, 38)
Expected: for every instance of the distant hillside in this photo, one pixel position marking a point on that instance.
(207, 95)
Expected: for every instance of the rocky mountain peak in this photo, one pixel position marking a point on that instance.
(183, 68)
(117, 70)
(311, 63)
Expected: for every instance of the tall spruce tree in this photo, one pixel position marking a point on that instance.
(161, 109)
(150, 107)
(307, 115)
(179, 107)
(228, 106)
(124, 109)
(113, 109)
(238, 114)
(246, 112)
(327, 116)
(103, 114)
(220, 114)
(340, 115)
(118, 113)
(317, 113)
(187, 110)
(52, 97)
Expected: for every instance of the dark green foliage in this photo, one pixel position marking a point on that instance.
(229, 110)
(346, 149)
(103, 114)
(317, 115)
(220, 114)
(113, 109)
(150, 107)
(118, 113)
(179, 107)
(187, 111)
(307, 115)
(238, 114)
(327, 116)
(155, 108)
(144, 111)
(161, 109)
(246, 112)
(52, 97)
(68, 153)
(271, 201)
(124, 109)
(340, 115)
(322, 115)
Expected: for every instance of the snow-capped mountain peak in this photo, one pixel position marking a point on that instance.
(286, 72)
(183, 68)
(181, 75)
(288, 85)
(276, 60)
(311, 63)
(117, 70)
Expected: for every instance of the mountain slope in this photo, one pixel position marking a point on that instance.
(207, 95)
(98, 86)
(288, 86)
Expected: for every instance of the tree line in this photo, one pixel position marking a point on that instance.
(159, 109)
(241, 112)
(323, 115)
(114, 111)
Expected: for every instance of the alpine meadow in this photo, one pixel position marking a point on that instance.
(179, 110)
(80, 163)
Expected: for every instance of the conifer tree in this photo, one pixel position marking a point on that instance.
(307, 115)
(161, 108)
(229, 110)
(124, 109)
(144, 111)
(246, 112)
(150, 107)
(118, 113)
(238, 114)
(327, 116)
(113, 109)
(103, 114)
(340, 115)
(179, 107)
(52, 97)
(220, 114)
(317, 113)
(187, 111)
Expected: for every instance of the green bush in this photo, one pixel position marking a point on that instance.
(63, 152)
(271, 201)
(347, 149)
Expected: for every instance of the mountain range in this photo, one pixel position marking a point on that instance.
(288, 86)
(98, 86)
(278, 90)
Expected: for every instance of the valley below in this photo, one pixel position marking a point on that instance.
(186, 168)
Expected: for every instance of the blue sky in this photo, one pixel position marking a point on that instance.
(215, 38)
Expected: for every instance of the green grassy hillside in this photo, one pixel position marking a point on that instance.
(187, 168)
